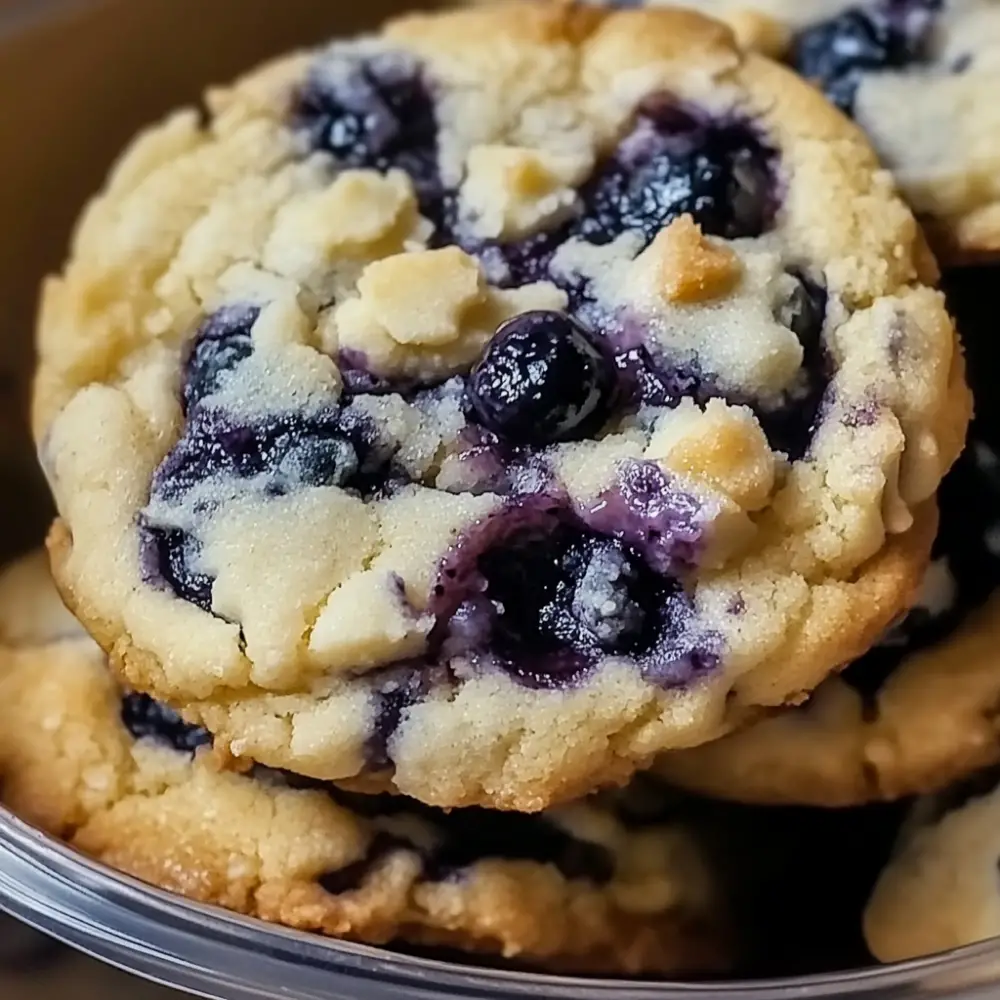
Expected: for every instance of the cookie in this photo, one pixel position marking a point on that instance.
(916, 713)
(127, 782)
(476, 409)
(920, 710)
(31, 610)
(919, 76)
(939, 890)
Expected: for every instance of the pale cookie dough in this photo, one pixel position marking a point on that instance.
(479, 408)
(922, 709)
(920, 77)
(940, 889)
(917, 712)
(128, 783)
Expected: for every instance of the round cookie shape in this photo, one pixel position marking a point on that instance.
(477, 419)
(939, 890)
(124, 780)
(919, 77)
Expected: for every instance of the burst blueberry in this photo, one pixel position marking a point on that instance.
(568, 590)
(674, 163)
(145, 718)
(544, 378)
(376, 112)
(837, 52)
(221, 343)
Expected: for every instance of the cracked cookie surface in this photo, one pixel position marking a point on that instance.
(581, 888)
(919, 76)
(479, 418)
(918, 711)
(921, 709)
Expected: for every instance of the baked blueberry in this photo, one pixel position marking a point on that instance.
(544, 378)
(220, 344)
(171, 555)
(145, 718)
(375, 111)
(885, 36)
(675, 163)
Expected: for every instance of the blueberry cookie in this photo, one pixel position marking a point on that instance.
(920, 710)
(939, 891)
(915, 713)
(479, 408)
(920, 77)
(127, 782)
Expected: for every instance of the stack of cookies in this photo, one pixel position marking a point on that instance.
(450, 424)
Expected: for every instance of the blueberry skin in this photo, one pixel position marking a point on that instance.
(837, 52)
(378, 112)
(544, 378)
(145, 718)
(676, 163)
(223, 340)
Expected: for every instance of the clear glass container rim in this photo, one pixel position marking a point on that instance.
(220, 954)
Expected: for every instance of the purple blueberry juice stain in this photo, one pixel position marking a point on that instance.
(536, 591)
(871, 38)
(648, 511)
(145, 718)
(647, 377)
(862, 414)
(374, 111)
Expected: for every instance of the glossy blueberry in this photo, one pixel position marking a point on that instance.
(377, 112)
(222, 342)
(674, 163)
(145, 718)
(569, 589)
(544, 378)
(837, 52)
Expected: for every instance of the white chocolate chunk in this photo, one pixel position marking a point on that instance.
(511, 192)
(721, 446)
